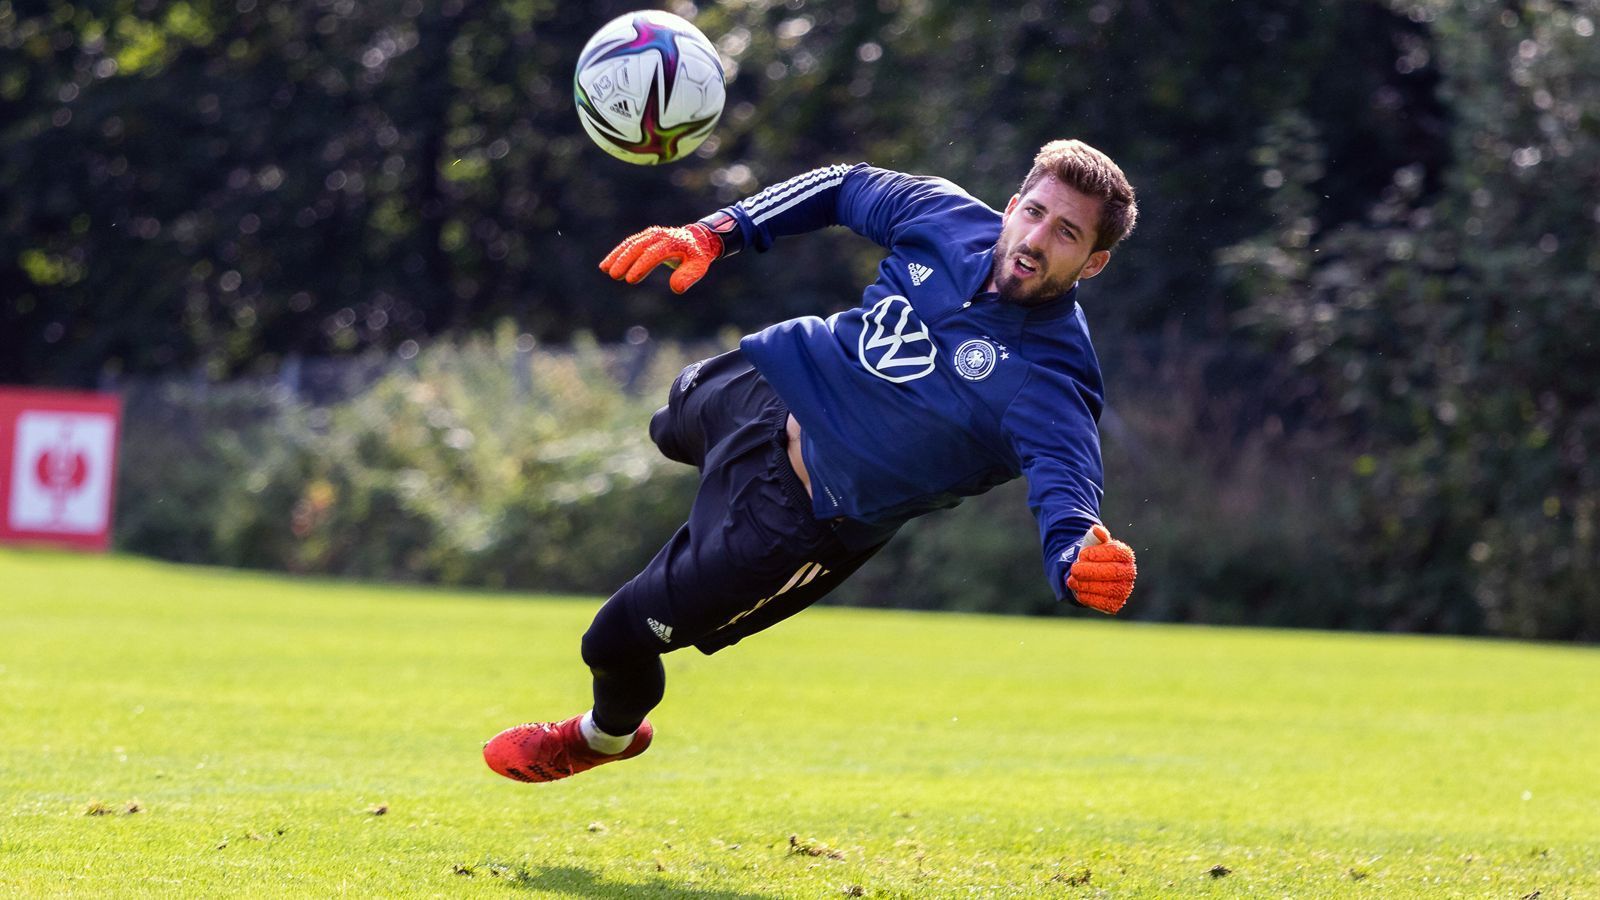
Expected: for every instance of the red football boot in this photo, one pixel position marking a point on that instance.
(548, 751)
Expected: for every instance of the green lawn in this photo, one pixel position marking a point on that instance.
(291, 737)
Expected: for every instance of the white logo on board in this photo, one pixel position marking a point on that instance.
(894, 344)
(61, 472)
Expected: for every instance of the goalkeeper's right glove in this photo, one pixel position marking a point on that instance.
(690, 249)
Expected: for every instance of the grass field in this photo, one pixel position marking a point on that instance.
(169, 731)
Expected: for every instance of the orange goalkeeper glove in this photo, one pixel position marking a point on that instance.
(690, 249)
(1102, 578)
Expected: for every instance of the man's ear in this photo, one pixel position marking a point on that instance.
(1010, 205)
(1096, 262)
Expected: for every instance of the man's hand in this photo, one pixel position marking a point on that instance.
(1102, 578)
(690, 249)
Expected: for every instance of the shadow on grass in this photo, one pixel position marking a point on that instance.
(578, 882)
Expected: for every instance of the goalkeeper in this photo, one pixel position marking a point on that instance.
(967, 364)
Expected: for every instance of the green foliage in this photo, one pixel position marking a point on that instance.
(185, 452)
(1406, 188)
(221, 729)
(1451, 335)
(479, 464)
(207, 185)
(483, 462)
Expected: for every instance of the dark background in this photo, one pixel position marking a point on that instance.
(1350, 346)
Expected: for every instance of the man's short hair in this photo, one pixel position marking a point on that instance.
(1080, 166)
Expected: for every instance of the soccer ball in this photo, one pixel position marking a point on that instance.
(649, 87)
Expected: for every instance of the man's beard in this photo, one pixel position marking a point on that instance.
(1013, 290)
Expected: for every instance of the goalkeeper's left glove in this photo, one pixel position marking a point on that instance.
(690, 249)
(1102, 578)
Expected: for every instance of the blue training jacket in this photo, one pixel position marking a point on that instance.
(931, 390)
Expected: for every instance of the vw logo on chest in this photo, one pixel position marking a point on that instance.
(894, 344)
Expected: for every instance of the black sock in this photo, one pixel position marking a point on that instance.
(625, 694)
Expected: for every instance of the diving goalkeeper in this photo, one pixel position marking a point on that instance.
(967, 364)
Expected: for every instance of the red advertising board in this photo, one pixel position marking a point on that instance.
(58, 466)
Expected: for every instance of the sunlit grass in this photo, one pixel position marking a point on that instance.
(171, 731)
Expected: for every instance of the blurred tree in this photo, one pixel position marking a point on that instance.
(1407, 188)
(1452, 342)
(219, 184)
